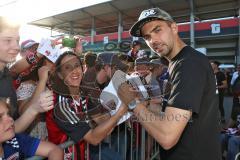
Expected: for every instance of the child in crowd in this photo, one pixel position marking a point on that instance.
(20, 146)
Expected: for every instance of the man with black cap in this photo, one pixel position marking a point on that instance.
(189, 128)
(106, 65)
(142, 69)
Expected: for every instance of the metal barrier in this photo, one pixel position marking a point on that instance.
(133, 143)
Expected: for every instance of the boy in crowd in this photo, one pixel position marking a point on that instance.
(20, 146)
(9, 49)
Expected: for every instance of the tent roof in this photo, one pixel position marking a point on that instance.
(106, 14)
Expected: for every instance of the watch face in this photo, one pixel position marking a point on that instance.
(132, 105)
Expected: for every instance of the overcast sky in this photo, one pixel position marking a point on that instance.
(30, 10)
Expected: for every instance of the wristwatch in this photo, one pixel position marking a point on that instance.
(132, 105)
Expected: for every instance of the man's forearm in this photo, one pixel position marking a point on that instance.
(108, 125)
(103, 129)
(166, 127)
(150, 122)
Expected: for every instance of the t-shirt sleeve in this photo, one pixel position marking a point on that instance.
(188, 80)
(75, 131)
(28, 145)
(73, 124)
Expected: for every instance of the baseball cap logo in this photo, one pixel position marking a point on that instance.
(148, 16)
(147, 13)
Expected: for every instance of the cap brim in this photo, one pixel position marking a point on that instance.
(136, 28)
(29, 45)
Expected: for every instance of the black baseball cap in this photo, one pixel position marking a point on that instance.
(156, 62)
(135, 43)
(107, 58)
(142, 60)
(148, 16)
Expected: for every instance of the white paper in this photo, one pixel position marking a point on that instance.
(45, 48)
(109, 96)
(136, 82)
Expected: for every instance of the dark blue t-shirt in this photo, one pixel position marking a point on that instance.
(7, 90)
(20, 147)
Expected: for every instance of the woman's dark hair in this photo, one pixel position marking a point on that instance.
(56, 82)
(60, 58)
(90, 59)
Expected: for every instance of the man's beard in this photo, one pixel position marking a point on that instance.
(163, 55)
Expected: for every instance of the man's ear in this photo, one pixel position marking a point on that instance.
(174, 27)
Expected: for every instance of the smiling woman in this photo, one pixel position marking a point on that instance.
(73, 115)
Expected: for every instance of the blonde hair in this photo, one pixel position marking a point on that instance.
(6, 23)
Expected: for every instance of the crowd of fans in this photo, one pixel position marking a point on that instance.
(75, 112)
(58, 102)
